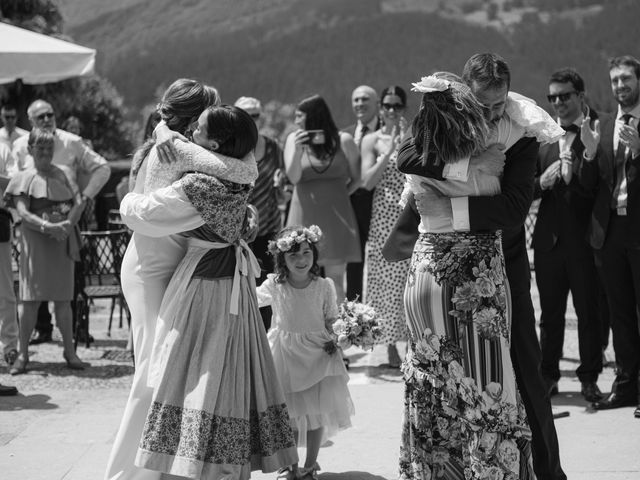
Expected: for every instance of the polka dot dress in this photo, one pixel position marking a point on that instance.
(384, 281)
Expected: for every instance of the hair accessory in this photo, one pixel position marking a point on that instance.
(431, 84)
(283, 244)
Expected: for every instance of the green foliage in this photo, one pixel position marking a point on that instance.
(94, 100)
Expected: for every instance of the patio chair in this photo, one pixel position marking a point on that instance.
(101, 257)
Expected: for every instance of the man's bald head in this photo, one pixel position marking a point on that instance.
(41, 115)
(364, 101)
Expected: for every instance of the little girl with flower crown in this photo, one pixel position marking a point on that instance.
(304, 309)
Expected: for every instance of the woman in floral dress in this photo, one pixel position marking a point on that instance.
(463, 413)
(384, 281)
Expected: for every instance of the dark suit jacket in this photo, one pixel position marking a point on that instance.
(565, 210)
(351, 129)
(506, 211)
(601, 177)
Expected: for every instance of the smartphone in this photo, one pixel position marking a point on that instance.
(316, 137)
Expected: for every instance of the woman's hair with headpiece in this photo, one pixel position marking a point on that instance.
(181, 105)
(450, 124)
(233, 129)
(318, 117)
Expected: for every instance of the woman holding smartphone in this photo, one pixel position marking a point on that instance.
(323, 165)
(384, 281)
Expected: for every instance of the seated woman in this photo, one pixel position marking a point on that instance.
(50, 209)
(205, 421)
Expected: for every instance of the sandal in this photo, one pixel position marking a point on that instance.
(286, 473)
(311, 472)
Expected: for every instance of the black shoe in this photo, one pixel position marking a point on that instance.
(41, 337)
(614, 400)
(591, 392)
(636, 412)
(11, 356)
(551, 386)
(7, 391)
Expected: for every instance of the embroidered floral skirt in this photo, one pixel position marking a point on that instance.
(463, 416)
(218, 410)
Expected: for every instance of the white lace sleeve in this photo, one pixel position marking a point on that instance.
(194, 158)
(535, 120)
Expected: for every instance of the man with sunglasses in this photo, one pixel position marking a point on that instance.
(10, 132)
(614, 232)
(365, 105)
(563, 257)
(86, 169)
(488, 77)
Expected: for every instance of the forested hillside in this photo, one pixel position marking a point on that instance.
(284, 49)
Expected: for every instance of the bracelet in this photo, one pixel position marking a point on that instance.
(43, 225)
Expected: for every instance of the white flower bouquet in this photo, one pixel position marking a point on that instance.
(357, 324)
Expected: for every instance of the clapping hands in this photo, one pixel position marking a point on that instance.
(590, 136)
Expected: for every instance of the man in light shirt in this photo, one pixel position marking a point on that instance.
(614, 232)
(85, 169)
(9, 133)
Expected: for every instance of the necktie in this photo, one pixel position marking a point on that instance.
(620, 165)
(363, 131)
(573, 128)
(622, 149)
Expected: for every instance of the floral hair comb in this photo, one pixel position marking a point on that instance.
(283, 244)
(431, 84)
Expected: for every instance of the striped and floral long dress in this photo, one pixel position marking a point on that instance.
(463, 416)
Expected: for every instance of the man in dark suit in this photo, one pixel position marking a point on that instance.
(489, 78)
(562, 256)
(614, 232)
(364, 101)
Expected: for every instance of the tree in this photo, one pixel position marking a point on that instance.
(94, 100)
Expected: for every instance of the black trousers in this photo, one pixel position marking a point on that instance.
(618, 263)
(361, 201)
(562, 269)
(525, 355)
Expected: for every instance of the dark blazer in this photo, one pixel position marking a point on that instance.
(506, 211)
(565, 210)
(351, 129)
(601, 177)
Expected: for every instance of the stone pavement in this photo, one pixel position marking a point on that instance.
(62, 424)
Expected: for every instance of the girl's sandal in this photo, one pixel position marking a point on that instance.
(286, 473)
(308, 473)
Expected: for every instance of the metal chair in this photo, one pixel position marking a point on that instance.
(101, 257)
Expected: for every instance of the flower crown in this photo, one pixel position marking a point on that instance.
(431, 84)
(283, 244)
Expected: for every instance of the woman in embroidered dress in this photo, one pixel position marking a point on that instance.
(217, 408)
(463, 414)
(384, 281)
(149, 262)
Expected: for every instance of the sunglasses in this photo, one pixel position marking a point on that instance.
(394, 106)
(45, 115)
(255, 116)
(563, 97)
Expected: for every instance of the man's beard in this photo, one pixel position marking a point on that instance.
(631, 99)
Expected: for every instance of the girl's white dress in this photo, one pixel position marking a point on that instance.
(314, 382)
